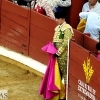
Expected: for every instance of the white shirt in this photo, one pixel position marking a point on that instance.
(65, 3)
(92, 24)
(96, 8)
(55, 3)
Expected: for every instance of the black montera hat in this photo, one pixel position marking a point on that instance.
(98, 46)
(60, 14)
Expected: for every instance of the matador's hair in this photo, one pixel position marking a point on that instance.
(60, 14)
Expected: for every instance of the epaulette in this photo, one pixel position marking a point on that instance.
(65, 26)
(57, 27)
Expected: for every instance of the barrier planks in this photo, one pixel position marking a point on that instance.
(84, 76)
(15, 27)
(78, 36)
(41, 32)
(0, 13)
(90, 44)
(27, 31)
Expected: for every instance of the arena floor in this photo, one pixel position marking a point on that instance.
(20, 76)
(20, 81)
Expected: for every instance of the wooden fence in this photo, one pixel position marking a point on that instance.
(26, 31)
(84, 77)
(14, 27)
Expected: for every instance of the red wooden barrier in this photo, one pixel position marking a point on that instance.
(95, 78)
(77, 56)
(14, 27)
(76, 72)
(73, 93)
(41, 32)
(90, 44)
(78, 36)
(27, 31)
(0, 14)
(84, 76)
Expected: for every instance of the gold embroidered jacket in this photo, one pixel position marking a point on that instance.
(62, 34)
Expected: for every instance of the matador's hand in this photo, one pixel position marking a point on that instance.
(55, 55)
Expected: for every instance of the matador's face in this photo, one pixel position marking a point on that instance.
(60, 20)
